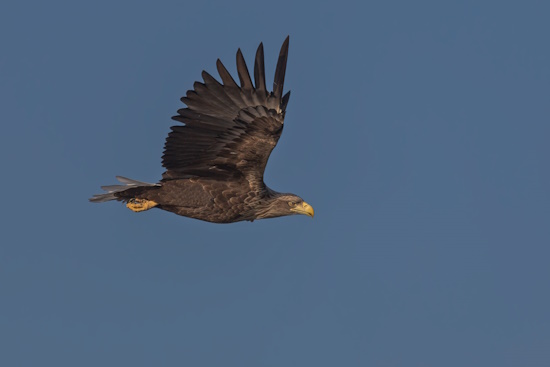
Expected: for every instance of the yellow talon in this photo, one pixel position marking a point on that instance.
(140, 205)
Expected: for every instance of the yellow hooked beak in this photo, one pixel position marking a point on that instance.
(303, 208)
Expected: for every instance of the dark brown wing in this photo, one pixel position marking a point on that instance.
(229, 131)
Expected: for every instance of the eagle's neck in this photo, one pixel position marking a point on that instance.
(264, 207)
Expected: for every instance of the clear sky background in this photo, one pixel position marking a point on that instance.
(417, 130)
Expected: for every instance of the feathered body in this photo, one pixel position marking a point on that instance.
(215, 162)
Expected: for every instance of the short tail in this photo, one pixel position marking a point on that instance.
(113, 191)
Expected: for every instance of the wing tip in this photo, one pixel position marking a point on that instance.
(280, 69)
(259, 69)
(284, 101)
(242, 71)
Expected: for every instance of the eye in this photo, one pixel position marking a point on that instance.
(292, 203)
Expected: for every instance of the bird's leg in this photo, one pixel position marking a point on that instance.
(139, 205)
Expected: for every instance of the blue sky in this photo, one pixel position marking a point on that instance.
(417, 130)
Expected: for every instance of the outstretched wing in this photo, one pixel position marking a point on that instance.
(229, 131)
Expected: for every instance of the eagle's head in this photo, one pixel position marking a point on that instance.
(285, 204)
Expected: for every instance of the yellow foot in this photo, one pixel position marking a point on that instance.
(139, 205)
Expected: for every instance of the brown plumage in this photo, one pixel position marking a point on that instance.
(215, 161)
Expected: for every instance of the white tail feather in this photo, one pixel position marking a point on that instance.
(128, 183)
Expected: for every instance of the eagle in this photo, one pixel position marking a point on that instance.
(215, 160)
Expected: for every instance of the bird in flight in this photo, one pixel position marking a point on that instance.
(215, 161)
